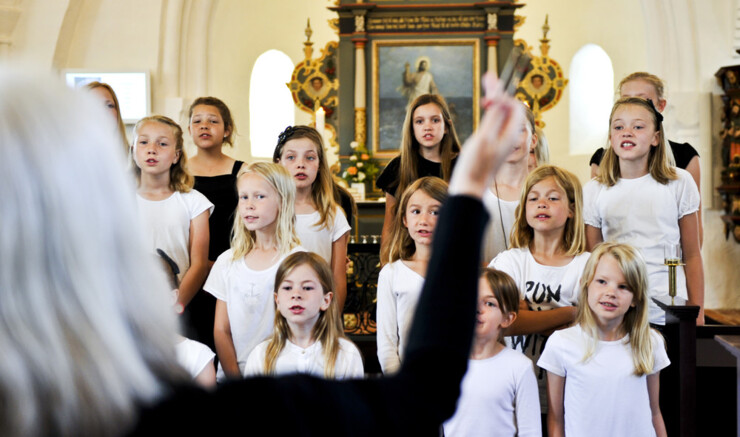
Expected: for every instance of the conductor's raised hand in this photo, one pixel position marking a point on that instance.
(488, 147)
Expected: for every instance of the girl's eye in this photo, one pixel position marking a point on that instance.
(260, 196)
(311, 158)
(308, 287)
(554, 199)
(617, 127)
(111, 106)
(532, 199)
(434, 212)
(418, 121)
(286, 287)
(290, 158)
(601, 281)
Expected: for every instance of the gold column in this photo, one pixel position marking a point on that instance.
(360, 98)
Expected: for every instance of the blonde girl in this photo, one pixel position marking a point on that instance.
(108, 96)
(243, 277)
(308, 335)
(611, 359)
(174, 216)
(401, 279)
(508, 403)
(640, 199)
(502, 197)
(546, 259)
(320, 223)
(429, 147)
(682, 155)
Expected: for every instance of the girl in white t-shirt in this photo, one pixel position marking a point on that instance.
(546, 260)
(308, 335)
(243, 277)
(603, 373)
(499, 392)
(638, 198)
(174, 216)
(320, 223)
(401, 279)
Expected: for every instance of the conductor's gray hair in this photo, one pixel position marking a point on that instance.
(86, 333)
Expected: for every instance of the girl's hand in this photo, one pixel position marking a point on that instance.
(490, 144)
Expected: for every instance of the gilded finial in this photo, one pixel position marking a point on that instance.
(545, 46)
(308, 45)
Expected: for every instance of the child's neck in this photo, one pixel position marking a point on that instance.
(210, 154)
(155, 187)
(301, 334)
(547, 249)
(420, 259)
(304, 201)
(610, 331)
(633, 169)
(509, 180)
(484, 348)
(433, 154)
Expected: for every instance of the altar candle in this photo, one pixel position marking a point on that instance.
(320, 118)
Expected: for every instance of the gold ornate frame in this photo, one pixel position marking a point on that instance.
(475, 85)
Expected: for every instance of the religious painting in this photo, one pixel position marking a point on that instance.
(404, 70)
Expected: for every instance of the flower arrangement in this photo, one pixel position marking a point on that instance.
(362, 165)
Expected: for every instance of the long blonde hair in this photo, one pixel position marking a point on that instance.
(120, 127)
(574, 237)
(86, 330)
(635, 322)
(244, 240)
(449, 146)
(402, 246)
(659, 157)
(322, 189)
(180, 179)
(328, 328)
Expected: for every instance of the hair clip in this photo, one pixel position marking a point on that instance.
(658, 115)
(282, 139)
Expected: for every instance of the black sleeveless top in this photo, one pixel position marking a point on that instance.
(221, 191)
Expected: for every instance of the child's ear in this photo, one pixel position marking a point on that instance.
(327, 300)
(276, 298)
(508, 319)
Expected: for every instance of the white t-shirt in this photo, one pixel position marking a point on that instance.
(319, 239)
(602, 395)
(295, 359)
(499, 399)
(250, 301)
(193, 356)
(495, 242)
(398, 292)
(644, 213)
(166, 224)
(543, 288)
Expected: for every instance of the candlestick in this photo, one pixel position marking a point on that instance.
(320, 120)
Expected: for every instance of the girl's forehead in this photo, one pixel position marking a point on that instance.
(156, 128)
(254, 181)
(639, 88)
(632, 111)
(421, 196)
(547, 183)
(206, 110)
(300, 145)
(484, 288)
(302, 272)
(427, 110)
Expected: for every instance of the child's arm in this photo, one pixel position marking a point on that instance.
(689, 226)
(196, 275)
(387, 333)
(385, 235)
(339, 270)
(207, 377)
(224, 342)
(533, 322)
(593, 237)
(555, 410)
(653, 386)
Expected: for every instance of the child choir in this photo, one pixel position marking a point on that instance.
(567, 293)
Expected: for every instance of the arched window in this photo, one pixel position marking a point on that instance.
(591, 98)
(271, 107)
